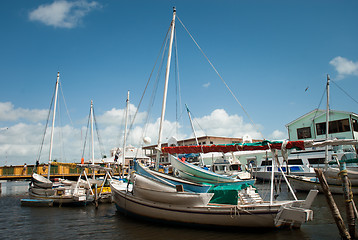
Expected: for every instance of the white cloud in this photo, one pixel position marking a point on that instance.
(219, 123)
(116, 116)
(20, 142)
(206, 85)
(9, 113)
(278, 135)
(63, 14)
(344, 67)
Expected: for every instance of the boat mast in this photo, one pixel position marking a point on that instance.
(125, 136)
(165, 90)
(327, 124)
(92, 139)
(196, 139)
(53, 125)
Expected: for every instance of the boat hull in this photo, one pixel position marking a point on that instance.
(266, 176)
(218, 215)
(177, 198)
(173, 181)
(40, 181)
(214, 182)
(37, 202)
(300, 183)
(199, 172)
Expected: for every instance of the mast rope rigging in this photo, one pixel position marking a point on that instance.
(68, 113)
(146, 86)
(231, 92)
(317, 109)
(178, 110)
(344, 92)
(85, 141)
(194, 118)
(101, 148)
(48, 117)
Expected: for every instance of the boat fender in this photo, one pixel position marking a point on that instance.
(176, 173)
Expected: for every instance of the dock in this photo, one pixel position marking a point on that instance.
(58, 170)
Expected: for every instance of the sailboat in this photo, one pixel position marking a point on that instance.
(101, 188)
(250, 211)
(170, 180)
(42, 188)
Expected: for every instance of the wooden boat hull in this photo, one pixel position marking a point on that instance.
(37, 202)
(153, 190)
(40, 181)
(199, 172)
(256, 215)
(177, 198)
(60, 195)
(300, 183)
(214, 182)
(42, 191)
(266, 176)
(165, 178)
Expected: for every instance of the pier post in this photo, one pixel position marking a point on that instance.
(332, 205)
(348, 196)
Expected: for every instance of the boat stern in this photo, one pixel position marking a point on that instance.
(294, 214)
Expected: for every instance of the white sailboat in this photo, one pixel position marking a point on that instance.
(43, 188)
(248, 212)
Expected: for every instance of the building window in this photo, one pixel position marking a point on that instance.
(303, 133)
(321, 128)
(355, 125)
(334, 126)
(204, 143)
(211, 142)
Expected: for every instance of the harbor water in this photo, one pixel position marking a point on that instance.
(18, 222)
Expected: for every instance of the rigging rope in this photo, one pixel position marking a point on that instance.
(48, 117)
(146, 86)
(85, 139)
(177, 84)
(344, 91)
(320, 102)
(221, 78)
(101, 148)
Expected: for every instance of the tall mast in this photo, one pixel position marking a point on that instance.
(196, 139)
(165, 90)
(125, 136)
(92, 139)
(327, 123)
(53, 125)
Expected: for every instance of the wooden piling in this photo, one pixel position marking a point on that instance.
(332, 205)
(348, 196)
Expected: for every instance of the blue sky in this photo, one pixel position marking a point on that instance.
(268, 52)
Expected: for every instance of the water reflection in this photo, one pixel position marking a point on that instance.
(18, 222)
(13, 187)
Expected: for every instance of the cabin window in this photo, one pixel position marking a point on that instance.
(303, 133)
(355, 125)
(235, 167)
(334, 127)
(316, 161)
(266, 163)
(296, 169)
(295, 162)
